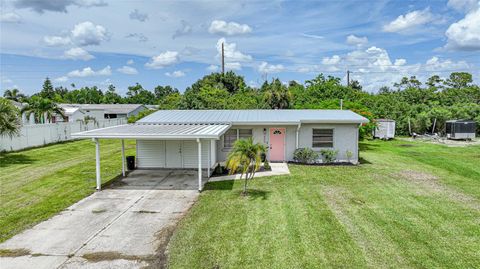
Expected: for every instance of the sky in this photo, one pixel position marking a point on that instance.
(122, 42)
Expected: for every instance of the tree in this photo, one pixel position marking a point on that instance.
(111, 97)
(164, 91)
(10, 121)
(85, 95)
(47, 89)
(245, 156)
(14, 95)
(172, 101)
(276, 95)
(459, 80)
(43, 109)
(138, 95)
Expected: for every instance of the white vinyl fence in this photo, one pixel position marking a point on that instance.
(35, 135)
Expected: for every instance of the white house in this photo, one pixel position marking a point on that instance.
(202, 138)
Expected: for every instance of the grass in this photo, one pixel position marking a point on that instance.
(410, 204)
(38, 183)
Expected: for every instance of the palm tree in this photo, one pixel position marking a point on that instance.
(10, 121)
(13, 94)
(43, 109)
(245, 156)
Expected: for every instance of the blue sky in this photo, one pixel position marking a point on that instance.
(100, 42)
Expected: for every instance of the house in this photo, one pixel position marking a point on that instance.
(103, 111)
(202, 138)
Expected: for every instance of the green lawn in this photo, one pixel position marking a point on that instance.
(36, 184)
(408, 205)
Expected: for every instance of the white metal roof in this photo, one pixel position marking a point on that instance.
(255, 116)
(157, 131)
(109, 108)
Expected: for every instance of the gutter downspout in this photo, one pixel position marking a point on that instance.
(296, 138)
(358, 142)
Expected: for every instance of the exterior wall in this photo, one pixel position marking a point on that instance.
(153, 154)
(345, 138)
(133, 113)
(260, 137)
(41, 134)
(98, 114)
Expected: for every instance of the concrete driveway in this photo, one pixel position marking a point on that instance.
(124, 226)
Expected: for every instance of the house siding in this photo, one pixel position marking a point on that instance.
(345, 138)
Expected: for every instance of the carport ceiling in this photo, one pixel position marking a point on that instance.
(158, 131)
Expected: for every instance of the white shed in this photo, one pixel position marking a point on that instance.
(385, 129)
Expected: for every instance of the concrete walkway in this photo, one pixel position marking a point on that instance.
(277, 170)
(120, 227)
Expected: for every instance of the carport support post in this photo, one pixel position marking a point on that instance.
(199, 164)
(97, 163)
(123, 158)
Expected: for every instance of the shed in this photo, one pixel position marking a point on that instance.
(385, 129)
(460, 129)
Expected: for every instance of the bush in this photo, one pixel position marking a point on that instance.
(329, 155)
(266, 165)
(305, 155)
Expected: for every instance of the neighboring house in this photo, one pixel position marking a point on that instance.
(25, 120)
(76, 113)
(181, 138)
(106, 111)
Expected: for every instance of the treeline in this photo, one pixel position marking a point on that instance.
(409, 100)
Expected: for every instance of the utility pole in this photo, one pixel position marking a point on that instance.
(348, 78)
(223, 60)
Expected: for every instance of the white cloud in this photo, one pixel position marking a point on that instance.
(87, 33)
(400, 62)
(78, 54)
(163, 59)
(233, 66)
(89, 72)
(213, 68)
(175, 74)
(56, 5)
(185, 29)
(313, 36)
(335, 59)
(231, 52)
(357, 40)
(54, 41)
(61, 79)
(228, 28)
(463, 5)
(465, 34)
(270, 68)
(130, 62)
(10, 17)
(409, 21)
(139, 36)
(139, 16)
(128, 70)
(436, 64)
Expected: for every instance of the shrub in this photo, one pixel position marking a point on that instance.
(305, 155)
(266, 165)
(329, 155)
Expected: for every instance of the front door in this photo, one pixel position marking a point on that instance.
(173, 154)
(277, 144)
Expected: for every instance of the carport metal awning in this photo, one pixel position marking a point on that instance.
(158, 131)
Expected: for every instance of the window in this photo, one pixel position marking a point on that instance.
(232, 135)
(322, 138)
(244, 133)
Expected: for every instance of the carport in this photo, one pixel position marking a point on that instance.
(163, 145)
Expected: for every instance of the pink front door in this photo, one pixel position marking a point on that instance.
(277, 144)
